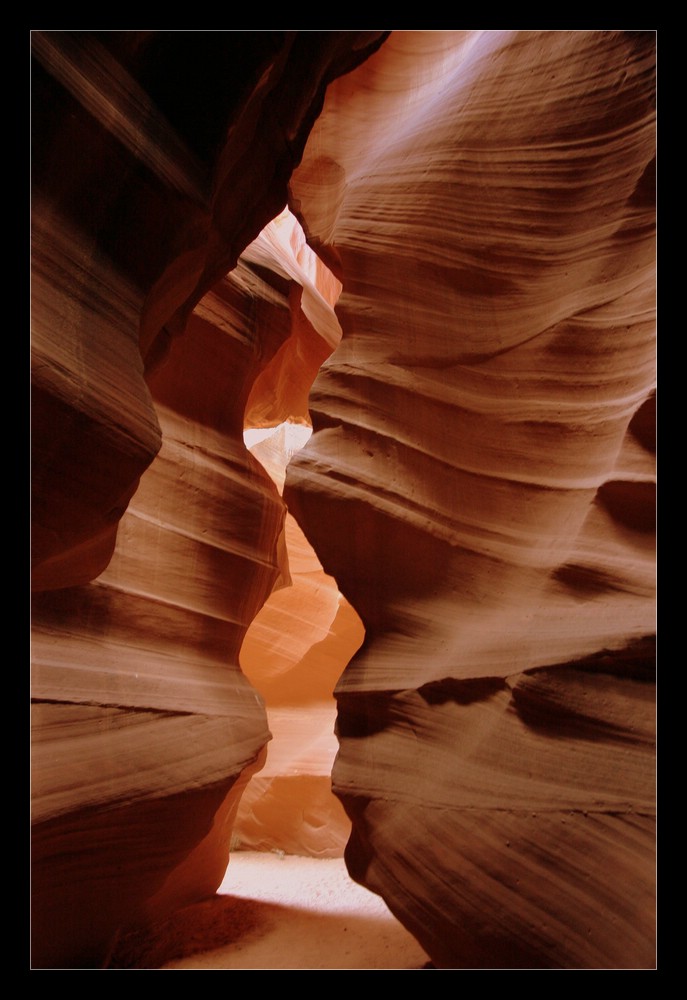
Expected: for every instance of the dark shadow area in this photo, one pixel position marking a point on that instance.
(643, 424)
(238, 933)
(632, 504)
(585, 582)
(215, 923)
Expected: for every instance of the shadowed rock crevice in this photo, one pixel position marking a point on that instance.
(633, 505)
(486, 507)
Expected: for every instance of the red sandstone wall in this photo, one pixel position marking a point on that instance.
(157, 158)
(481, 484)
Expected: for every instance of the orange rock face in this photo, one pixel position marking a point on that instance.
(478, 492)
(481, 484)
(294, 653)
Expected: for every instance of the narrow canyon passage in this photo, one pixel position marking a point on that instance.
(287, 900)
(467, 322)
(294, 653)
(303, 637)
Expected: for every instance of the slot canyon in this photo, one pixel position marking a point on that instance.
(343, 481)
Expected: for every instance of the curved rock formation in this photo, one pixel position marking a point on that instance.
(157, 158)
(481, 485)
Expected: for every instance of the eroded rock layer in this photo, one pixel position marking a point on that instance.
(143, 719)
(481, 484)
(157, 158)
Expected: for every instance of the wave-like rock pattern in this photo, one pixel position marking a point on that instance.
(481, 484)
(141, 712)
(157, 158)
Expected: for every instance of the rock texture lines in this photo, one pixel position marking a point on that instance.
(158, 157)
(481, 484)
(467, 318)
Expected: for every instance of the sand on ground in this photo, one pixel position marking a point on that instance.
(275, 911)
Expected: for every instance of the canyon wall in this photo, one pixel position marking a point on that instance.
(481, 484)
(479, 488)
(158, 157)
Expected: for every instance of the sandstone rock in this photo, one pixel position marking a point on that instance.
(294, 652)
(143, 720)
(477, 486)
(157, 157)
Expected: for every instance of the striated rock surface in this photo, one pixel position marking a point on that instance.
(143, 720)
(157, 158)
(481, 484)
(479, 488)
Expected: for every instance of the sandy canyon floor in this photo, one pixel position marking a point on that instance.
(278, 912)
